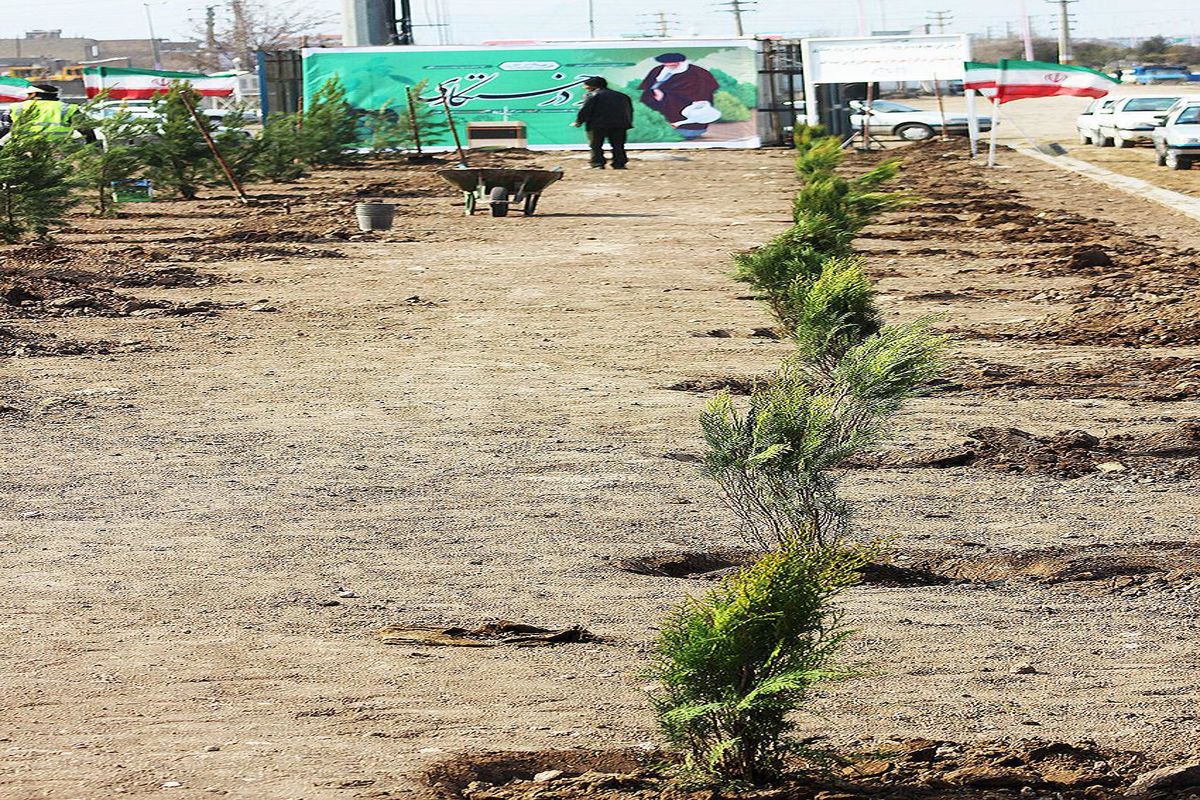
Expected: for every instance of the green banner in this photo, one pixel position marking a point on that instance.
(686, 93)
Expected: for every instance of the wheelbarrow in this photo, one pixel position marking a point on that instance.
(500, 188)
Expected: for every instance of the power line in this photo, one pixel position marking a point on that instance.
(1064, 31)
(662, 23)
(736, 7)
(939, 19)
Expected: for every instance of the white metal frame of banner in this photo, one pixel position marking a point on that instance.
(913, 68)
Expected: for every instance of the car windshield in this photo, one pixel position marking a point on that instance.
(1189, 116)
(1150, 104)
(888, 107)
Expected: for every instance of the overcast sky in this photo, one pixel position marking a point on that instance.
(477, 20)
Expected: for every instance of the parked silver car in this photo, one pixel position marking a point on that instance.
(1177, 141)
(908, 123)
(1087, 124)
(1132, 120)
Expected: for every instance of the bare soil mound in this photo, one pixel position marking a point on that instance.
(913, 768)
(18, 343)
(66, 282)
(1144, 292)
(1157, 379)
(1172, 453)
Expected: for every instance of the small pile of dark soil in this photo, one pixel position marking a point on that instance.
(1119, 569)
(75, 294)
(913, 768)
(279, 233)
(16, 343)
(118, 267)
(714, 565)
(736, 386)
(1173, 453)
(1157, 379)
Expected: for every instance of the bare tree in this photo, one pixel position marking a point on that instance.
(234, 31)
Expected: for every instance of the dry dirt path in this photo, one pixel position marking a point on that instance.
(177, 522)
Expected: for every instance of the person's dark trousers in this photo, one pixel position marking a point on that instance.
(616, 139)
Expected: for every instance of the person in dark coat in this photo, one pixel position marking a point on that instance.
(605, 114)
(682, 93)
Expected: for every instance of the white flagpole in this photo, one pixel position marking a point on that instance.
(995, 125)
(972, 123)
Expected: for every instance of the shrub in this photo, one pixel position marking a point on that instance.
(117, 156)
(781, 271)
(735, 663)
(329, 130)
(280, 150)
(399, 127)
(773, 463)
(805, 136)
(732, 109)
(820, 158)
(35, 185)
(239, 149)
(836, 311)
(851, 204)
(178, 158)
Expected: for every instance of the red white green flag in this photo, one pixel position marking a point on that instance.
(1017, 80)
(142, 84)
(14, 90)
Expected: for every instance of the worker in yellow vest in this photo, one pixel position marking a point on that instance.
(43, 114)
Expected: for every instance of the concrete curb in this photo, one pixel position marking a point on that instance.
(1180, 203)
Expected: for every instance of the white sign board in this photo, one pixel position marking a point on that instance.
(881, 59)
(885, 58)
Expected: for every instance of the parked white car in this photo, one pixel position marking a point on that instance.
(1087, 124)
(1132, 120)
(1177, 141)
(908, 123)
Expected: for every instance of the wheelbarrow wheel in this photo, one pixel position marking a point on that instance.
(530, 204)
(498, 197)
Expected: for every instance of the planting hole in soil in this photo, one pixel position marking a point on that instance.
(921, 769)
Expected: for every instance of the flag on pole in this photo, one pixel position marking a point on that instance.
(14, 90)
(981, 77)
(142, 84)
(1017, 80)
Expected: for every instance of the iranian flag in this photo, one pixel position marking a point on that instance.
(14, 90)
(981, 77)
(1017, 80)
(142, 84)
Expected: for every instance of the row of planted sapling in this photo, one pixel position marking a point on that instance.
(42, 179)
(731, 666)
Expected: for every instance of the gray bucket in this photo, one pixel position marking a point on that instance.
(375, 216)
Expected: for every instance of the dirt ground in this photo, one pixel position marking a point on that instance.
(1052, 120)
(220, 489)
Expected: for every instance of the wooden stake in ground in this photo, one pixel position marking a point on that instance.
(237, 187)
(937, 92)
(462, 157)
(412, 120)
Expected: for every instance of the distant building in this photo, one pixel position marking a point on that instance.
(53, 52)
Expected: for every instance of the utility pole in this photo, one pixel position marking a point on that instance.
(736, 7)
(241, 35)
(591, 19)
(940, 19)
(210, 28)
(153, 41)
(1064, 31)
(662, 25)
